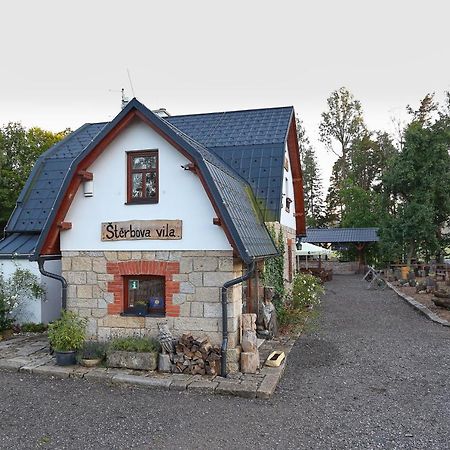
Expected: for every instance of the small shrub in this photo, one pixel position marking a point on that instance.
(68, 333)
(135, 344)
(306, 290)
(32, 328)
(93, 350)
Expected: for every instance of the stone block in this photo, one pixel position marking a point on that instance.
(136, 255)
(91, 278)
(81, 263)
(84, 312)
(99, 265)
(234, 354)
(196, 278)
(267, 386)
(206, 387)
(66, 263)
(186, 265)
(185, 310)
(71, 291)
(207, 294)
(249, 341)
(132, 360)
(97, 292)
(151, 323)
(180, 277)
(248, 322)
(196, 309)
(196, 324)
(249, 362)
(84, 291)
(108, 297)
(206, 264)
(212, 310)
(70, 254)
(162, 255)
(226, 264)
(148, 256)
(216, 278)
(105, 277)
(113, 321)
(76, 277)
(187, 288)
(178, 299)
(164, 364)
(111, 256)
(99, 313)
(123, 256)
(175, 255)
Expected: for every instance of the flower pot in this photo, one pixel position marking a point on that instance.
(90, 362)
(67, 358)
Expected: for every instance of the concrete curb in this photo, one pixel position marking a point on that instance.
(260, 386)
(419, 307)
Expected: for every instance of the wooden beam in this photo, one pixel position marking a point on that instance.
(85, 175)
(65, 225)
(217, 221)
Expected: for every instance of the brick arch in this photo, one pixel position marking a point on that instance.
(119, 269)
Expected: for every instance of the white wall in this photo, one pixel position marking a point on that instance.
(33, 310)
(288, 218)
(181, 196)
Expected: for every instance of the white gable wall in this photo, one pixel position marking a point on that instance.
(287, 218)
(181, 196)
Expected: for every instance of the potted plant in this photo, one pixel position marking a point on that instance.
(92, 353)
(66, 336)
(139, 353)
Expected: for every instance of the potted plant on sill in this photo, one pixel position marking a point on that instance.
(134, 352)
(92, 353)
(66, 336)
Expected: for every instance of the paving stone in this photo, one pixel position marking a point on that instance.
(13, 364)
(178, 385)
(53, 370)
(203, 386)
(267, 386)
(98, 374)
(150, 382)
(245, 390)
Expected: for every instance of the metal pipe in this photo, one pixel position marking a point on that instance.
(246, 276)
(41, 260)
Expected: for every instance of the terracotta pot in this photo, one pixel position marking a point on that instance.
(90, 362)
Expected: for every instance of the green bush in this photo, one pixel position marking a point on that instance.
(306, 290)
(135, 344)
(32, 327)
(68, 333)
(93, 350)
(296, 307)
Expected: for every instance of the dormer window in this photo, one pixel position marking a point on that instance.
(142, 177)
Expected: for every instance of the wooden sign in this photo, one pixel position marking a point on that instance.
(142, 229)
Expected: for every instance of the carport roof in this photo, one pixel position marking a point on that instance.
(341, 235)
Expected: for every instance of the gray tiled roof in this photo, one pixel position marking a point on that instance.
(18, 244)
(252, 142)
(44, 183)
(45, 188)
(341, 235)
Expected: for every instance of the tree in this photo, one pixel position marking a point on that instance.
(312, 180)
(416, 188)
(19, 149)
(343, 122)
(341, 125)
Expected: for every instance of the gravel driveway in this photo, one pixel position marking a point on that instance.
(371, 374)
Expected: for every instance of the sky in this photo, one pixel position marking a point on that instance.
(64, 63)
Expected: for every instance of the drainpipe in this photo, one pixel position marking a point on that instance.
(246, 276)
(41, 260)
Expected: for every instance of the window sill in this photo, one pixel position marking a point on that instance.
(135, 314)
(142, 202)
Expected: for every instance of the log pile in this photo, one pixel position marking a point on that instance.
(194, 355)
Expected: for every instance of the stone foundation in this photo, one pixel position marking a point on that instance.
(192, 281)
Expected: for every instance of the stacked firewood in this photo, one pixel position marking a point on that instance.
(195, 355)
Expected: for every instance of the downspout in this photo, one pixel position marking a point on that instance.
(246, 276)
(41, 260)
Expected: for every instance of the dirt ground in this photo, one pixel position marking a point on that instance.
(426, 299)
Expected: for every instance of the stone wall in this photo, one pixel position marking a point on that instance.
(289, 235)
(193, 282)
